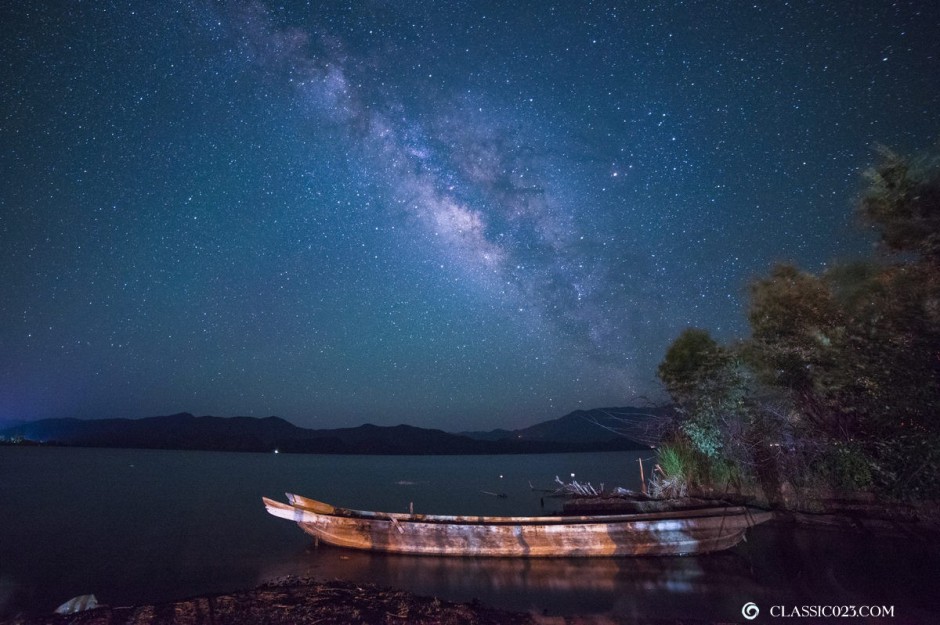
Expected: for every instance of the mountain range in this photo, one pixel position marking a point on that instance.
(608, 429)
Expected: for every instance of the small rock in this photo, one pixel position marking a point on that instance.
(78, 604)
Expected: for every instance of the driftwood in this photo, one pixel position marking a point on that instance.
(540, 490)
(577, 489)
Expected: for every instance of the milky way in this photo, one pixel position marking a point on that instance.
(456, 215)
(484, 196)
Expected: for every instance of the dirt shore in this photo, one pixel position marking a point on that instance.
(300, 601)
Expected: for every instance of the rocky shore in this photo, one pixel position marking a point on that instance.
(864, 512)
(291, 601)
(303, 601)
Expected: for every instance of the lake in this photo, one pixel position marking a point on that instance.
(134, 526)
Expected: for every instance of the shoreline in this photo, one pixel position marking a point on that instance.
(307, 601)
(861, 512)
(290, 600)
(310, 600)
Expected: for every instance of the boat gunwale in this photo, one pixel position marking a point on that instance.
(322, 509)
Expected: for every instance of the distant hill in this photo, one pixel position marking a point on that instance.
(9, 423)
(179, 431)
(600, 425)
(185, 431)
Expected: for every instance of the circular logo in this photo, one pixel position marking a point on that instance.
(750, 610)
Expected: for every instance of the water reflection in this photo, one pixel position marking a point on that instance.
(213, 535)
(778, 565)
(810, 566)
(554, 586)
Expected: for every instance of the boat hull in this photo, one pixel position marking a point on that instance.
(694, 532)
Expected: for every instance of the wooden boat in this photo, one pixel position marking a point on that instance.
(680, 532)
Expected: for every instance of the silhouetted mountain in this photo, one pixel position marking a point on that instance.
(491, 435)
(179, 431)
(600, 425)
(185, 431)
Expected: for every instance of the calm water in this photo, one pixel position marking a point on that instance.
(142, 526)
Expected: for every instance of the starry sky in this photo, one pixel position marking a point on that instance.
(462, 215)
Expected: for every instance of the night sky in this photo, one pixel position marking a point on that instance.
(461, 215)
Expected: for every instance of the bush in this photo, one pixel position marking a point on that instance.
(704, 436)
(909, 467)
(848, 467)
(682, 468)
(674, 472)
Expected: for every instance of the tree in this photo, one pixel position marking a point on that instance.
(692, 357)
(902, 203)
(709, 388)
(855, 351)
(898, 328)
(797, 329)
(858, 347)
